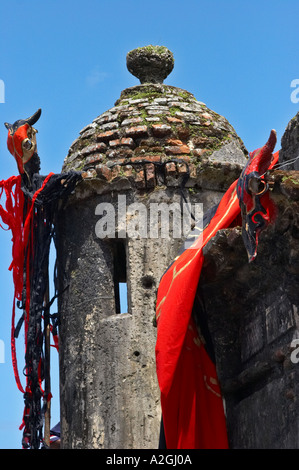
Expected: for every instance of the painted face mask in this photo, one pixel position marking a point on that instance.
(21, 140)
(256, 206)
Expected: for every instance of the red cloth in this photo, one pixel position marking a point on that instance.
(13, 216)
(192, 406)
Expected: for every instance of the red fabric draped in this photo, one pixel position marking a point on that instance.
(12, 216)
(22, 245)
(192, 406)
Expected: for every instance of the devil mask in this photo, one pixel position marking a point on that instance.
(252, 189)
(21, 140)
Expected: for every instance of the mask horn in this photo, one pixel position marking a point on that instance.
(270, 145)
(7, 125)
(265, 155)
(35, 117)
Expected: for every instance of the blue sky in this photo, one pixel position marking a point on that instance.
(69, 58)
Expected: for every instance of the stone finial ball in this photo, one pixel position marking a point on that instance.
(150, 64)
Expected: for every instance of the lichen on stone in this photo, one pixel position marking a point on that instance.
(151, 64)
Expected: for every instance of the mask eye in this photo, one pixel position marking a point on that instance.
(257, 186)
(263, 187)
(27, 144)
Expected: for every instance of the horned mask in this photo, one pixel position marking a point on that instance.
(21, 140)
(252, 189)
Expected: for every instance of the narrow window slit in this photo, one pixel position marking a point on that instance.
(120, 277)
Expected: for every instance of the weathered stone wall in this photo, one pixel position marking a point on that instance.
(290, 145)
(253, 314)
(109, 391)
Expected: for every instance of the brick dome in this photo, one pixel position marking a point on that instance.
(155, 125)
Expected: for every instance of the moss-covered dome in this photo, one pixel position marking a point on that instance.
(155, 123)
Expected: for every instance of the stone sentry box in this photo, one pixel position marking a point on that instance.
(155, 138)
(107, 358)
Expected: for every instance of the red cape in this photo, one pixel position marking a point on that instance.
(192, 406)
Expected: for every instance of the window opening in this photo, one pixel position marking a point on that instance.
(120, 277)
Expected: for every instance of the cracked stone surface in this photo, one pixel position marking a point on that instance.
(253, 316)
(290, 145)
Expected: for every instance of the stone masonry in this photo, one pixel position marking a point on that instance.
(253, 317)
(157, 144)
(290, 145)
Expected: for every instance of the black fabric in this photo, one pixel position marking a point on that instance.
(162, 440)
(55, 431)
(46, 207)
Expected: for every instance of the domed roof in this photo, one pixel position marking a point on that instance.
(155, 123)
